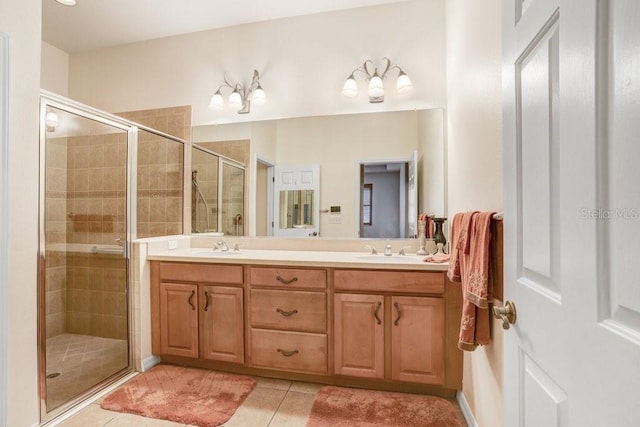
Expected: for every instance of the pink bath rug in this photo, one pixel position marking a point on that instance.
(184, 395)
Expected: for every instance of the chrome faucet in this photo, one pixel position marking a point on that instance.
(401, 251)
(387, 250)
(222, 245)
(373, 250)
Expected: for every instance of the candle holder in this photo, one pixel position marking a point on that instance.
(421, 238)
(438, 234)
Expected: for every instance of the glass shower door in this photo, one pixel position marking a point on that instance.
(84, 338)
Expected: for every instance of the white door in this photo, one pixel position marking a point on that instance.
(571, 101)
(296, 201)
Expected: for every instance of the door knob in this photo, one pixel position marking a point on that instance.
(507, 314)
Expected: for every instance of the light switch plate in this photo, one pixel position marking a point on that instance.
(335, 219)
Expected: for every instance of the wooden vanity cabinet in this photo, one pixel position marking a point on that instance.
(178, 319)
(202, 318)
(385, 335)
(387, 329)
(288, 319)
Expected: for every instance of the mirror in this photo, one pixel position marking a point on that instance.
(339, 144)
(217, 193)
(296, 209)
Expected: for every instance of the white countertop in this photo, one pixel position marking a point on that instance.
(301, 258)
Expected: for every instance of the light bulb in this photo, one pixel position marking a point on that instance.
(350, 87)
(51, 121)
(404, 83)
(376, 89)
(235, 100)
(216, 101)
(259, 97)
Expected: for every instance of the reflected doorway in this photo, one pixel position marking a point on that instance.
(387, 199)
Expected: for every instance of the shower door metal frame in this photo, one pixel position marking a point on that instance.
(51, 100)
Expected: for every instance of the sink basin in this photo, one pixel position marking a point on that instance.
(392, 258)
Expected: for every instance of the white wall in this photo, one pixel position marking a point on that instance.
(21, 21)
(474, 136)
(303, 62)
(54, 72)
(431, 162)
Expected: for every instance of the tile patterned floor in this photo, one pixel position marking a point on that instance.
(273, 403)
(81, 361)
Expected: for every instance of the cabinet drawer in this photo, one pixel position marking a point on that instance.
(290, 351)
(231, 274)
(289, 310)
(289, 277)
(389, 281)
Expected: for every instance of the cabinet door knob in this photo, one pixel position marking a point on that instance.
(190, 300)
(376, 313)
(206, 301)
(286, 281)
(286, 353)
(397, 306)
(286, 313)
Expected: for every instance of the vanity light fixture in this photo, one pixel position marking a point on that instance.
(376, 87)
(51, 121)
(241, 96)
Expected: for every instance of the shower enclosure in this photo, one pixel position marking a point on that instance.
(217, 193)
(96, 171)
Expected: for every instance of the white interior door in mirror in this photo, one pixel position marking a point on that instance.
(296, 202)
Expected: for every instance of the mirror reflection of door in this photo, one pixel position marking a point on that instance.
(388, 199)
(263, 197)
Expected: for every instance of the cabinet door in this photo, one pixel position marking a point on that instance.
(222, 324)
(417, 339)
(179, 319)
(359, 335)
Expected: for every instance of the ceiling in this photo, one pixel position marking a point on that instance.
(95, 24)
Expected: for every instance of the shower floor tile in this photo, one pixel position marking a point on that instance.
(78, 362)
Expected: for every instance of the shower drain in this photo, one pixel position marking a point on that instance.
(53, 375)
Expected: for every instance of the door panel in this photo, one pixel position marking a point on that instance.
(359, 335)
(179, 319)
(572, 226)
(222, 324)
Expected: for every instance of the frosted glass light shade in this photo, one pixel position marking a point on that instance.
(403, 84)
(235, 100)
(67, 2)
(259, 97)
(216, 101)
(376, 89)
(350, 87)
(51, 121)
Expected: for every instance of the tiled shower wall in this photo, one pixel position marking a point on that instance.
(96, 206)
(160, 170)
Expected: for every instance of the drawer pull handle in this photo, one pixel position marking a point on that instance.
(376, 313)
(190, 300)
(286, 313)
(206, 301)
(397, 306)
(285, 281)
(286, 353)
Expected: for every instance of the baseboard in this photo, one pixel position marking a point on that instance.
(150, 362)
(466, 410)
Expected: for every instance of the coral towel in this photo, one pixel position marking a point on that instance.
(469, 265)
